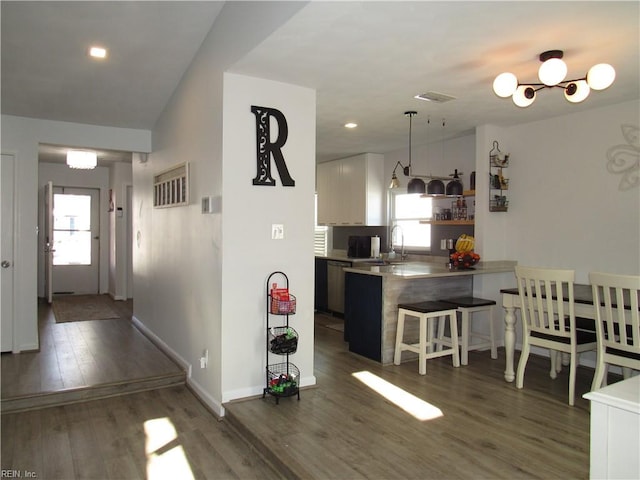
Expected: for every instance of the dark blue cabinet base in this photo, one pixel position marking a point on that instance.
(363, 315)
(320, 299)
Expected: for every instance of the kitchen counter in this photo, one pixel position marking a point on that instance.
(373, 292)
(429, 269)
(341, 256)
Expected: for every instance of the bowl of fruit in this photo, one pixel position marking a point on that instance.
(464, 257)
(464, 260)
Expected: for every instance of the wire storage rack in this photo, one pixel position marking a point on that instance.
(498, 182)
(282, 377)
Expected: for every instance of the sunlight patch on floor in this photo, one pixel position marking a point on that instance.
(165, 457)
(406, 401)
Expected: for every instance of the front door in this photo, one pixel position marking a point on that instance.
(6, 251)
(76, 240)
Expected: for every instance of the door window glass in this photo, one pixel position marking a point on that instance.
(71, 229)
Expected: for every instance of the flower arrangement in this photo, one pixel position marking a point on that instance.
(463, 260)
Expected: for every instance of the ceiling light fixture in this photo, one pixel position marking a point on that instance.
(98, 52)
(416, 184)
(552, 74)
(82, 159)
(350, 125)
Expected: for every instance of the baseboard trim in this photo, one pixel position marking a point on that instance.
(166, 349)
(215, 406)
(27, 348)
(210, 402)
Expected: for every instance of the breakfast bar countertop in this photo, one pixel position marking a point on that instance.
(429, 269)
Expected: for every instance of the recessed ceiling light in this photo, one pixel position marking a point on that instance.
(98, 52)
(350, 125)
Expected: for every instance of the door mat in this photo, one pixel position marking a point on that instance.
(79, 308)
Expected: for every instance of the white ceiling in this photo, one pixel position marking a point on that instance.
(365, 59)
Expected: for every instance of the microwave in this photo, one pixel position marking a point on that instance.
(359, 246)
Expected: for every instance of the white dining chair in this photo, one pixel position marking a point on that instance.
(617, 329)
(548, 319)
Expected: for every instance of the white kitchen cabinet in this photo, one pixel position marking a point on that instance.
(326, 174)
(351, 191)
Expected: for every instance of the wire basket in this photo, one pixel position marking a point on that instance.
(283, 340)
(282, 379)
(283, 307)
(498, 205)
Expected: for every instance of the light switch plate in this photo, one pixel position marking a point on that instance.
(207, 204)
(277, 231)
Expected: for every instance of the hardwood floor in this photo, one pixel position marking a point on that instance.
(83, 360)
(165, 433)
(488, 428)
(340, 429)
(145, 428)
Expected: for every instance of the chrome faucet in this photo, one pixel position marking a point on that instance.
(391, 249)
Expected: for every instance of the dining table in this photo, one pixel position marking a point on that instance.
(583, 308)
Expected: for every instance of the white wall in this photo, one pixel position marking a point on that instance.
(63, 176)
(249, 253)
(198, 285)
(566, 209)
(201, 278)
(20, 136)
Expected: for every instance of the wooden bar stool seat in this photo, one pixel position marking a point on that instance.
(467, 306)
(427, 313)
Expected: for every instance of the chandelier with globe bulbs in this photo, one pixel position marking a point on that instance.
(552, 74)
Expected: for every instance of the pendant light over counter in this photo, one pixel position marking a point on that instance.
(416, 184)
(454, 187)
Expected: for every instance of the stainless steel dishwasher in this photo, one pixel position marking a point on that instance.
(335, 285)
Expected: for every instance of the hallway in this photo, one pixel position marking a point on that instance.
(84, 360)
(142, 423)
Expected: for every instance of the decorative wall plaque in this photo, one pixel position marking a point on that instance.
(265, 149)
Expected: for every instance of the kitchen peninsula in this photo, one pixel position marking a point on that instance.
(372, 294)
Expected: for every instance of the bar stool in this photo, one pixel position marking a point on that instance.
(466, 306)
(427, 313)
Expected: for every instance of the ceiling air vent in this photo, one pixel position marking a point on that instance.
(434, 97)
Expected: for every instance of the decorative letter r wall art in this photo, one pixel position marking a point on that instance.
(265, 149)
